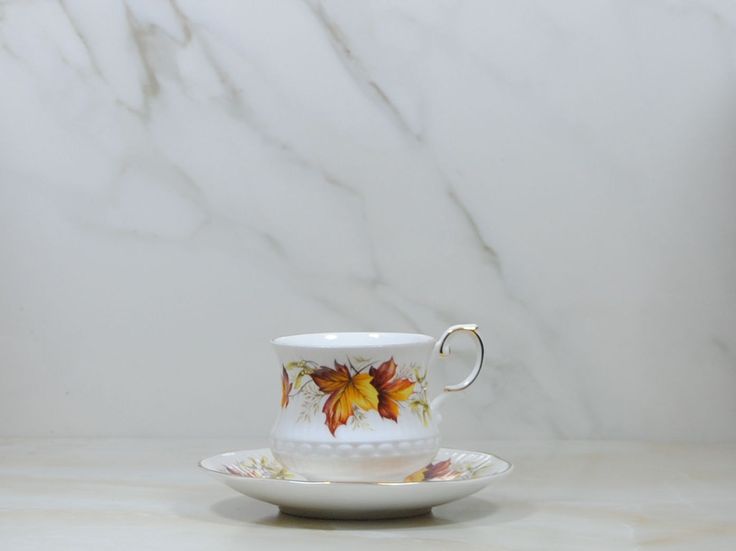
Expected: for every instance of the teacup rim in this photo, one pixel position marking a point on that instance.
(292, 341)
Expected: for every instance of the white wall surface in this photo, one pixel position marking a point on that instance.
(180, 182)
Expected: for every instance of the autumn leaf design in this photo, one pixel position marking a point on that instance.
(440, 470)
(259, 468)
(353, 391)
(346, 392)
(285, 387)
(391, 390)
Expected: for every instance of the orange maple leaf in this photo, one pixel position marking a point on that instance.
(285, 387)
(391, 390)
(346, 392)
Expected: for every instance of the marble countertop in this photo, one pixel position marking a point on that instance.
(148, 494)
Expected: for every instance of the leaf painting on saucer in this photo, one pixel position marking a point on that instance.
(446, 470)
(263, 467)
(455, 467)
(348, 391)
(440, 470)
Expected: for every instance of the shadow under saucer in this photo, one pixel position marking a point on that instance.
(466, 510)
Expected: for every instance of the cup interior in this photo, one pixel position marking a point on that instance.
(352, 340)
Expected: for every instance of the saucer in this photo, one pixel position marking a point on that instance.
(452, 474)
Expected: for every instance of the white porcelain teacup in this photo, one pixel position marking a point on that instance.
(354, 406)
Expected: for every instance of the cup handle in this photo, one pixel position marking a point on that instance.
(442, 350)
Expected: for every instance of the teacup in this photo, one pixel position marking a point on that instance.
(355, 406)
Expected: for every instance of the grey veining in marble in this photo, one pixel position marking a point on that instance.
(182, 181)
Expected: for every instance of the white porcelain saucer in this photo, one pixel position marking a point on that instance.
(453, 474)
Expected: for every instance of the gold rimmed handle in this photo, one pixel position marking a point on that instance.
(442, 349)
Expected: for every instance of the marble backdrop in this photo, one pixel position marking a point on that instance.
(181, 181)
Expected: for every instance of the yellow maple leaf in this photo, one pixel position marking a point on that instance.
(346, 392)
